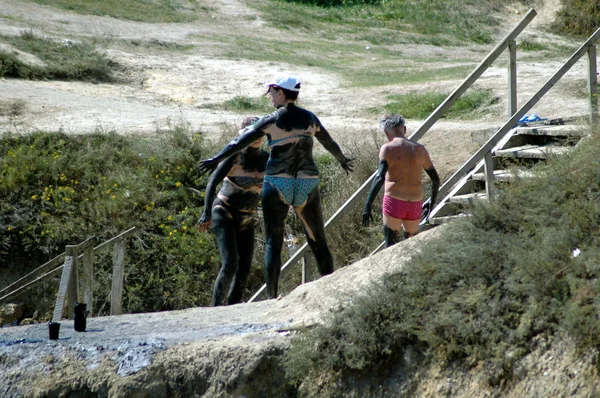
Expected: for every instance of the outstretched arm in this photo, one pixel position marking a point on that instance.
(332, 147)
(435, 186)
(251, 134)
(211, 191)
(375, 187)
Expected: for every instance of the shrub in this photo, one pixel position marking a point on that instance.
(578, 17)
(481, 292)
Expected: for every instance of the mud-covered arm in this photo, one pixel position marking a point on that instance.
(211, 191)
(251, 134)
(332, 147)
(435, 186)
(375, 187)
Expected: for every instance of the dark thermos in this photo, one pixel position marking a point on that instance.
(79, 322)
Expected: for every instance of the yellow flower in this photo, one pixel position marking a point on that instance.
(9, 228)
(116, 185)
(113, 196)
(34, 197)
(178, 184)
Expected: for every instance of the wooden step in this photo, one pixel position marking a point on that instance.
(504, 175)
(532, 151)
(468, 199)
(555, 131)
(447, 219)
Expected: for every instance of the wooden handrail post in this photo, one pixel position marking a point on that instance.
(116, 295)
(307, 265)
(592, 82)
(73, 287)
(512, 77)
(87, 279)
(489, 175)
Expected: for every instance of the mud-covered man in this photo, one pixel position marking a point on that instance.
(401, 164)
(292, 177)
(232, 215)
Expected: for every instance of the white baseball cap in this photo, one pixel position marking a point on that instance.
(285, 81)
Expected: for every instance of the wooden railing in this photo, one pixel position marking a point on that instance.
(508, 42)
(76, 287)
(484, 153)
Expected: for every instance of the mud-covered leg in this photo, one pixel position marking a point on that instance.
(224, 229)
(245, 249)
(311, 216)
(391, 237)
(274, 212)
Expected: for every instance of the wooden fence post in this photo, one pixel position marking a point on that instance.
(512, 77)
(73, 288)
(87, 278)
(116, 295)
(307, 266)
(489, 175)
(592, 81)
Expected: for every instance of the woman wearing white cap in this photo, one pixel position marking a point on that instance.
(292, 177)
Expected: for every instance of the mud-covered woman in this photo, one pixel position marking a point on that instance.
(291, 177)
(231, 214)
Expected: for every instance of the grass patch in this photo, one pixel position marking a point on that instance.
(12, 108)
(359, 67)
(459, 21)
(528, 45)
(72, 61)
(420, 105)
(483, 291)
(244, 104)
(133, 10)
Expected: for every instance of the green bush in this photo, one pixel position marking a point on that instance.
(74, 61)
(481, 292)
(57, 189)
(578, 17)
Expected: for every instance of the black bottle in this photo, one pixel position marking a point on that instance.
(79, 323)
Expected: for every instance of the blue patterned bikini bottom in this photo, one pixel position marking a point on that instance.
(295, 191)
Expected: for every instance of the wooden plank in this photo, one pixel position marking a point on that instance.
(504, 175)
(116, 295)
(489, 60)
(533, 151)
(62, 289)
(469, 199)
(87, 279)
(512, 77)
(73, 288)
(592, 83)
(379, 248)
(555, 131)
